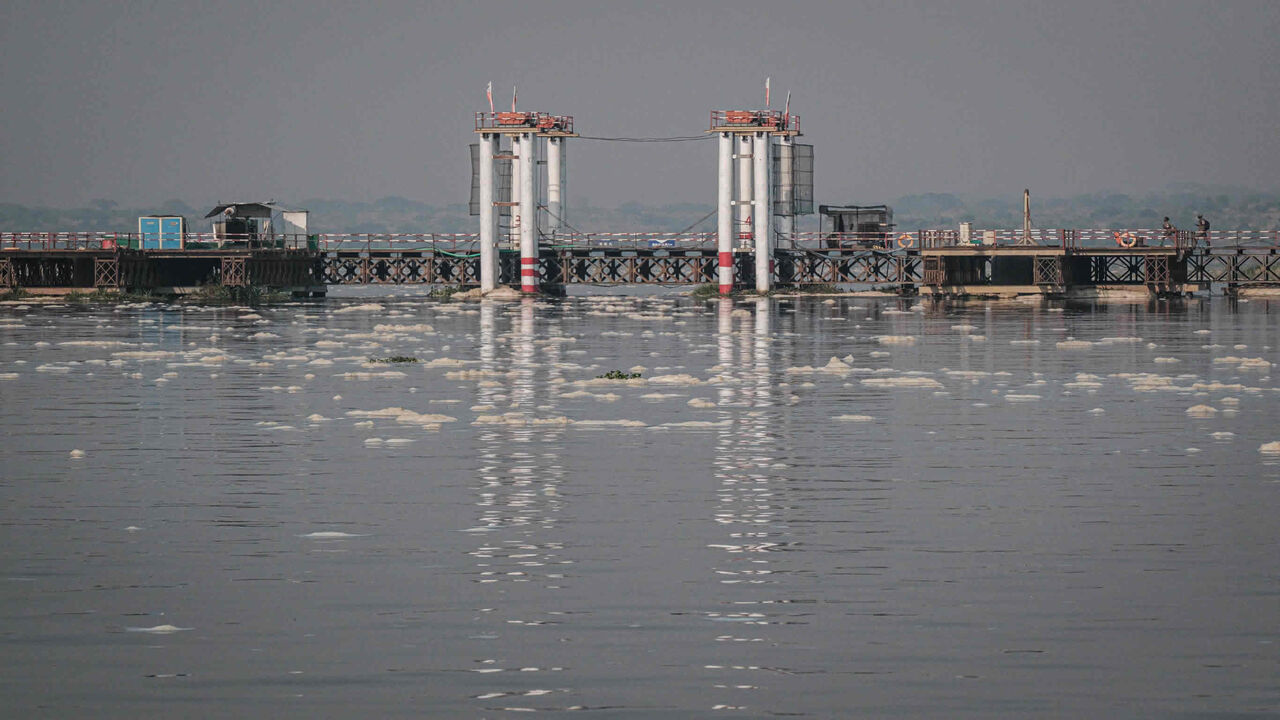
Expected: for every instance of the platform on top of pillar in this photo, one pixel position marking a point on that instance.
(774, 122)
(519, 123)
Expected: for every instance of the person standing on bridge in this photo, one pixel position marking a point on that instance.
(1168, 232)
(1202, 229)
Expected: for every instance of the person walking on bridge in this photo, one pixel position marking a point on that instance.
(1202, 230)
(1168, 232)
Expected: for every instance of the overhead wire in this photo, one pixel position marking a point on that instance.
(678, 138)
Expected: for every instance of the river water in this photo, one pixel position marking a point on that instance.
(973, 510)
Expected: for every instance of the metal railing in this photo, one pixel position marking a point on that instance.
(1218, 241)
(769, 120)
(535, 121)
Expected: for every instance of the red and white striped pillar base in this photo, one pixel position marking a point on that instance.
(528, 274)
(725, 273)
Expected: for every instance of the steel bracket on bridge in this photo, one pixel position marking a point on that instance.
(1048, 271)
(234, 273)
(6, 273)
(106, 272)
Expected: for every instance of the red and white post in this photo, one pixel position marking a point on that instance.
(528, 213)
(724, 205)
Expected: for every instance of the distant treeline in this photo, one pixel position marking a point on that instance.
(1226, 208)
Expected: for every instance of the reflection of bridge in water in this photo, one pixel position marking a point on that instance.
(924, 261)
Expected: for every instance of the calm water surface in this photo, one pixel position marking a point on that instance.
(978, 510)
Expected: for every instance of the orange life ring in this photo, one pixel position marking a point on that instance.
(906, 240)
(1126, 240)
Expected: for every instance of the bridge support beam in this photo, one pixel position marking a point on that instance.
(762, 225)
(488, 218)
(555, 184)
(528, 212)
(724, 215)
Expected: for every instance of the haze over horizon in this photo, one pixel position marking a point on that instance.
(142, 102)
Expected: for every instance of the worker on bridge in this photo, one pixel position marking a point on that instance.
(1202, 230)
(1168, 232)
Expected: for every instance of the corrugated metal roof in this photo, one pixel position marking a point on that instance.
(242, 209)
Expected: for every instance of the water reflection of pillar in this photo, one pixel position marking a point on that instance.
(522, 389)
(748, 608)
(519, 561)
(724, 347)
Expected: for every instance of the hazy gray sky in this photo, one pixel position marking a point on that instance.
(140, 102)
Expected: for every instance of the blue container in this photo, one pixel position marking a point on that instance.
(161, 232)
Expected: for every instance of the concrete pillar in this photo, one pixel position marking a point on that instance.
(488, 224)
(564, 183)
(762, 225)
(555, 176)
(745, 185)
(516, 191)
(786, 223)
(528, 214)
(724, 215)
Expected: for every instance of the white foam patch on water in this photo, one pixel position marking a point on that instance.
(55, 369)
(910, 381)
(403, 416)
(853, 418)
(476, 374)
(94, 343)
(366, 307)
(1011, 397)
(329, 535)
(9, 376)
(1203, 332)
(1097, 411)
(1222, 435)
(391, 328)
(880, 354)
(158, 629)
(1074, 345)
(1120, 340)
(144, 355)
(1024, 342)
(1243, 363)
(387, 374)
(1166, 360)
(589, 424)
(964, 328)
(896, 339)
(675, 379)
(701, 403)
(444, 362)
(317, 418)
(76, 454)
(657, 397)
(1271, 448)
(1233, 401)
(698, 424)
(1201, 411)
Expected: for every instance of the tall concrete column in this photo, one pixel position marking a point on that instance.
(745, 186)
(762, 225)
(724, 215)
(516, 191)
(564, 183)
(488, 264)
(786, 223)
(555, 176)
(528, 214)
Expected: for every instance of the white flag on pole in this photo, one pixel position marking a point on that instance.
(766, 92)
(488, 92)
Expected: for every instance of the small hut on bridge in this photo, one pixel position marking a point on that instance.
(257, 223)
